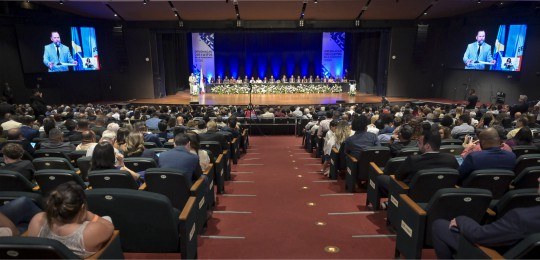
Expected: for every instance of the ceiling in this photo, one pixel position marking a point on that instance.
(276, 10)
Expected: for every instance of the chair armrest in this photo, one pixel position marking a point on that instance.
(111, 250)
(491, 213)
(401, 186)
(188, 230)
(352, 158)
(468, 250)
(142, 187)
(413, 205)
(375, 167)
(219, 158)
(36, 188)
(196, 186)
(184, 215)
(207, 171)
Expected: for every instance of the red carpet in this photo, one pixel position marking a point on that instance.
(264, 212)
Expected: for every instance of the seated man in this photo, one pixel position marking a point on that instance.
(361, 138)
(463, 125)
(181, 159)
(148, 136)
(56, 142)
(430, 158)
(15, 216)
(491, 156)
(14, 135)
(403, 140)
(509, 229)
(12, 158)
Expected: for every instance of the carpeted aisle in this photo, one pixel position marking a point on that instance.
(265, 211)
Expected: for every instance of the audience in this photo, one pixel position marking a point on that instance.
(56, 142)
(13, 154)
(180, 158)
(361, 138)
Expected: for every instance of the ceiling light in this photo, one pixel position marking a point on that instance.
(144, 2)
(316, 1)
(115, 15)
(61, 2)
(479, 1)
(425, 13)
(301, 23)
(238, 23)
(357, 23)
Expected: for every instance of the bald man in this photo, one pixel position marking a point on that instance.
(491, 156)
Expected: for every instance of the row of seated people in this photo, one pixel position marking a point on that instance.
(488, 154)
(103, 157)
(292, 79)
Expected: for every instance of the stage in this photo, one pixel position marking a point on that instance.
(184, 98)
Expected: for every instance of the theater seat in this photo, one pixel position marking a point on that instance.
(147, 221)
(528, 248)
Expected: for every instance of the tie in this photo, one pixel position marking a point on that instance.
(58, 53)
(478, 53)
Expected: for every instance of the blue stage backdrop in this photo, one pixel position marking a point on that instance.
(262, 54)
(332, 54)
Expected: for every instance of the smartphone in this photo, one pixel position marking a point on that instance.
(33, 145)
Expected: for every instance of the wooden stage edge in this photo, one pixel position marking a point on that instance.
(184, 98)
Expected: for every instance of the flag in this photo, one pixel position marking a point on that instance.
(201, 81)
(520, 43)
(498, 50)
(77, 49)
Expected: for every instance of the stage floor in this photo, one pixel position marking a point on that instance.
(267, 99)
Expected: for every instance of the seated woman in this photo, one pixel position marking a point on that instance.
(523, 137)
(194, 143)
(68, 220)
(134, 147)
(103, 158)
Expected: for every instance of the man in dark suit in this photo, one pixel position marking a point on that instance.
(213, 135)
(514, 226)
(491, 156)
(430, 158)
(181, 159)
(14, 136)
(26, 129)
(148, 136)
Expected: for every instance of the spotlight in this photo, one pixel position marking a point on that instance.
(115, 15)
(425, 13)
(316, 1)
(144, 2)
(479, 1)
(61, 2)
(175, 14)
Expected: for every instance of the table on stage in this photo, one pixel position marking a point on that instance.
(278, 88)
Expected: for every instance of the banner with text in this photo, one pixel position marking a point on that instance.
(203, 55)
(333, 46)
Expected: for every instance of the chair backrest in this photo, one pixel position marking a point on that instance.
(526, 160)
(73, 156)
(169, 182)
(451, 202)
(524, 149)
(528, 248)
(149, 145)
(527, 178)
(44, 163)
(34, 248)
(425, 183)
(49, 153)
(138, 164)
(49, 179)
(7, 196)
(393, 164)
(461, 136)
(522, 198)
(147, 221)
(84, 166)
(496, 180)
(112, 178)
(452, 149)
(377, 154)
(408, 151)
(212, 146)
(14, 181)
(169, 145)
(451, 142)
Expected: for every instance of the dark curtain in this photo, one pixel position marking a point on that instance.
(173, 61)
(368, 60)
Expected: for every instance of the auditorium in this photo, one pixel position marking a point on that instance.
(269, 129)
